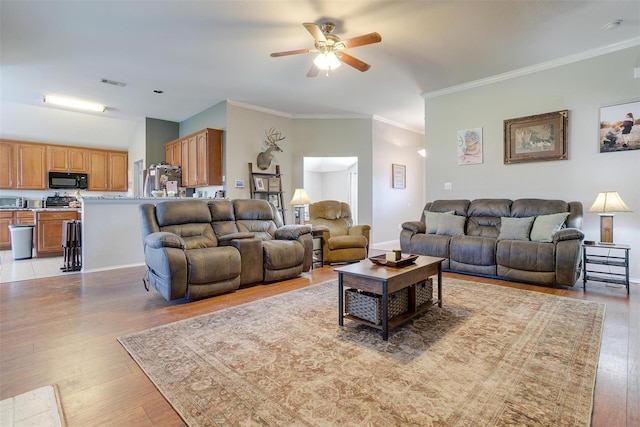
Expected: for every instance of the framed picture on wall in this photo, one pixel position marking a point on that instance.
(469, 146)
(620, 127)
(536, 138)
(399, 176)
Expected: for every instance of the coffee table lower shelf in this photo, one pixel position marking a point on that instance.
(398, 320)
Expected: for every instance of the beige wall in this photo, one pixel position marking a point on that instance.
(582, 88)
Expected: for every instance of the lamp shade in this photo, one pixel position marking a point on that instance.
(327, 61)
(609, 202)
(300, 197)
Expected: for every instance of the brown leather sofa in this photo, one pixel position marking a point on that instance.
(196, 249)
(341, 240)
(527, 240)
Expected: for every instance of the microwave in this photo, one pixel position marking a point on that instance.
(68, 180)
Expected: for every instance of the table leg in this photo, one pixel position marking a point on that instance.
(440, 285)
(385, 305)
(340, 301)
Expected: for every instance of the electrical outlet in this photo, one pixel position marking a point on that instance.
(447, 186)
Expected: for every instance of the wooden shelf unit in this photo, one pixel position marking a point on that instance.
(271, 189)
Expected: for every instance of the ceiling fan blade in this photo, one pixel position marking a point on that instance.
(290, 52)
(313, 71)
(315, 31)
(354, 62)
(362, 40)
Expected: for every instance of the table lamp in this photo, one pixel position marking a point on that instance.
(606, 204)
(299, 200)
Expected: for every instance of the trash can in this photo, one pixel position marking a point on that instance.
(21, 240)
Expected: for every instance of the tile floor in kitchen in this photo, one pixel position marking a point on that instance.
(24, 269)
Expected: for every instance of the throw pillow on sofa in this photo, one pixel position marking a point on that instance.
(515, 228)
(432, 219)
(545, 226)
(451, 225)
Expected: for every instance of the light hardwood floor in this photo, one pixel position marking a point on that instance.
(62, 330)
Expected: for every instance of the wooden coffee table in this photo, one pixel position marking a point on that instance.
(382, 280)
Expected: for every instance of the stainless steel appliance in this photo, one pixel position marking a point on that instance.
(68, 180)
(11, 202)
(158, 176)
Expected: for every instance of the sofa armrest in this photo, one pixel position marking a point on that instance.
(568, 234)
(162, 239)
(224, 240)
(414, 226)
(359, 230)
(292, 232)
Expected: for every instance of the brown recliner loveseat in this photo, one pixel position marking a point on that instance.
(528, 240)
(341, 240)
(196, 249)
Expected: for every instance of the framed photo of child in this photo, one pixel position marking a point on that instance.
(620, 127)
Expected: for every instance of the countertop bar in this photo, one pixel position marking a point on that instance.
(56, 209)
(111, 231)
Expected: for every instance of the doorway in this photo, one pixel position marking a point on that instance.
(332, 178)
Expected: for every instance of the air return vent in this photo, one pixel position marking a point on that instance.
(113, 82)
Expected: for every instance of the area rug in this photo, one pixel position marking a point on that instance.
(490, 356)
(40, 407)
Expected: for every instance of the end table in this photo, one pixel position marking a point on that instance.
(617, 256)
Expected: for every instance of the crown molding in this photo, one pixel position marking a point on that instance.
(534, 68)
(259, 109)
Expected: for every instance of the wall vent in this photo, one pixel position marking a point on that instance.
(113, 83)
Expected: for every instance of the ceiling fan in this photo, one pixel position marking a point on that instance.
(331, 49)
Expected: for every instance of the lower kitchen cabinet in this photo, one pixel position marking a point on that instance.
(49, 232)
(6, 218)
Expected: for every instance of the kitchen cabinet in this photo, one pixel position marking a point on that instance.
(173, 153)
(6, 218)
(31, 171)
(11, 216)
(7, 165)
(199, 155)
(25, 165)
(108, 170)
(49, 232)
(67, 159)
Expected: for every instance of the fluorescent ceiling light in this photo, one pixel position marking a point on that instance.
(74, 103)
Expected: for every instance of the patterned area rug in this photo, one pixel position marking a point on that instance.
(490, 356)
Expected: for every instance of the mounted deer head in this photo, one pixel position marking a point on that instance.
(271, 142)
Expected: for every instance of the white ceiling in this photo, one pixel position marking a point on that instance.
(203, 52)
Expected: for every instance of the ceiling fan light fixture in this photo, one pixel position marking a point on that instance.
(327, 61)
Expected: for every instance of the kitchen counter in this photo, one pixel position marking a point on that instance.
(111, 232)
(55, 209)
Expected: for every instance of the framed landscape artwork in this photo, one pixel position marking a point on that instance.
(619, 128)
(536, 138)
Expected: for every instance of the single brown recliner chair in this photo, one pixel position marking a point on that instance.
(341, 240)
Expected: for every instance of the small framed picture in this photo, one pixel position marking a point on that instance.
(239, 183)
(398, 175)
(273, 199)
(259, 184)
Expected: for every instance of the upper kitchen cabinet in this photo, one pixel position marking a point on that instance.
(22, 166)
(7, 165)
(31, 167)
(67, 159)
(199, 155)
(108, 170)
